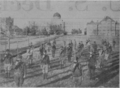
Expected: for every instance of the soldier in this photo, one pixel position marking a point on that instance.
(45, 64)
(62, 55)
(109, 48)
(19, 71)
(49, 46)
(54, 42)
(91, 64)
(114, 43)
(81, 46)
(30, 55)
(71, 44)
(95, 47)
(53, 50)
(42, 49)
(8, 61)
(69, 54)
(77, 71)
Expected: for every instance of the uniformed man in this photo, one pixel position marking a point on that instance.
(109, 48)
(45, 64)
(77, 71)
(54, 42)
(8, 61)
(81, 46)
(62, 55)
(30, 55)
(42, 50)
(91, 64)
(69, 54)
(49, 46)
(71, 44)
(53, 50)
(114, 43)
(95, 47)
(19, 71)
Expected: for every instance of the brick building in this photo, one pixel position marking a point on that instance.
(107, 28)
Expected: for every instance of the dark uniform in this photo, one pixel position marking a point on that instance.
(109, 48)
(114, 43)
(54, 42)
(77, 72)
(8, 61)
(91, 65)
(53, 50)
(19, 71)
(45, 65)
(42, 50)
(80, 47)
(62, 55)
(95, 47)
(69, 54)
(30, 55)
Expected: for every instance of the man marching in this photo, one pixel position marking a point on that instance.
(53, 50)
(30, 55)
(69, 54)
(92, 62)
(7, 62)
(19, 71)
(42, 49)
(45, 64)
(77, 72)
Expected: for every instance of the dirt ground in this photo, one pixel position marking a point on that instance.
(58, 77)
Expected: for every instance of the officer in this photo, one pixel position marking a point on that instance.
(8, 61)
(91, 64)
(30, 55)
(54, 42)
(69, 52)
(95, 47)
(114, 43)
(62, 55)
(77, 71)
(19, 71)
(81, 46)
(53, 50)
(45, 64)
(42, 49)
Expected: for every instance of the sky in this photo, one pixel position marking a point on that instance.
(74, 13)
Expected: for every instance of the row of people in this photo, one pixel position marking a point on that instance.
(46, 60)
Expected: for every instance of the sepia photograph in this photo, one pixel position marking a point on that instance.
(59, 43)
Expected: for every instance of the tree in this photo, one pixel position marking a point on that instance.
(44, 31)
(17, 30)
(74, 31)
(26, 31)
(80, 31)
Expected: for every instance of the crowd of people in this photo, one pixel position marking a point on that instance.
(97, 56)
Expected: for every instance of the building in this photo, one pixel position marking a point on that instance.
(91, 28)
(107, 28)
(57, 24)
